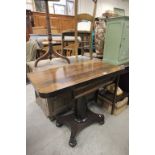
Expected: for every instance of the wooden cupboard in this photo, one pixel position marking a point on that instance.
(116, 49)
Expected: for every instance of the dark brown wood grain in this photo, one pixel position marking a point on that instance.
(69, 75)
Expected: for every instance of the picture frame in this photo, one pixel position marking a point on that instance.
(59, 9)
(70, 7)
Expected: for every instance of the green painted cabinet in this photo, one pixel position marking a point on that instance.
(116, 48)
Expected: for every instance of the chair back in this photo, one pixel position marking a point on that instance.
(84, 17)
(79, 18)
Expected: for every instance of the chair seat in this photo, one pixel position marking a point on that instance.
(72, 31)
(68, 48)
(71, 38)
(80, 47)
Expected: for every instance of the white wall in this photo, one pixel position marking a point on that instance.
(50, 3)
(102, 6)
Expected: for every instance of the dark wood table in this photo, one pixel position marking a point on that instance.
(80, 79)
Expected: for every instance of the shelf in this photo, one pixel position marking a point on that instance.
(109, 96)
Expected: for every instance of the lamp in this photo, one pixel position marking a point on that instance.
(50, 48)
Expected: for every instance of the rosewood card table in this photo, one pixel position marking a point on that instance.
(80, 79)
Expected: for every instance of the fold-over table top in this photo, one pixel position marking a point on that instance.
(55, 79)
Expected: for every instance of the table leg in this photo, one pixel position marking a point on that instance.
(61, 56)
(50, 57)
(50, 47)
(40, 58)
(79, 119)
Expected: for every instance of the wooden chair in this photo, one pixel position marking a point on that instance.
(86, 37)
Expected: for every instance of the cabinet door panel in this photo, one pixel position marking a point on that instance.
(124, 48)
(113, 39)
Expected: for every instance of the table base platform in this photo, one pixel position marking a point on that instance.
(76, 124)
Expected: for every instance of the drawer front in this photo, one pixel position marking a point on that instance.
(90, 87)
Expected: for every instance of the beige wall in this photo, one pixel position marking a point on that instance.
(103, 5)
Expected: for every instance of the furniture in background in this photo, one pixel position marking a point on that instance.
(69, 40)
(124, 81)
(32, 50)
(56, 47)
(74, 32)
(116, 51)
(78, 79)
(117, 104)
(44, 37)
(38, 46)
(109, 14)
(28, 23)
(93, 41)
(119, 11)
(39, 30)
(50, 51)
(60, 23)
(68, 45)
(33, 47)
(99, 28)
(116, 48)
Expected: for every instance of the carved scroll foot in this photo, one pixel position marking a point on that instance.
(72, 141)
(58, 123)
